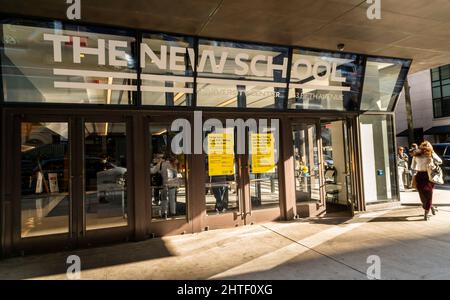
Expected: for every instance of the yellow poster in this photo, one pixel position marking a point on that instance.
(263, 153)
(220, 154)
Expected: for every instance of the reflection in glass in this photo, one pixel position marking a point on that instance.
(324, 80)
(31, 73)
(381, 84)
(105, 161)
(45, 173)
(306, 163)
(168, 175)
(221, 188)
(161, 85)
(241, 75)
(264, 186)
(378, 156)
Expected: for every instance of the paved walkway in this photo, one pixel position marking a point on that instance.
(319, 248)
(441, 196)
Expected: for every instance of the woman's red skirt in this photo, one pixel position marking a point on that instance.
(425, 189)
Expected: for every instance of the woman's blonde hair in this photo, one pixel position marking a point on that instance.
(426, 148)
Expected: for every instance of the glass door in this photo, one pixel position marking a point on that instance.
(168, 162)
(337, 167)
(241, 182)
(72, 187)
(306, 163)
(224, 196)
(262, 175)
(105, 175)
(45, 178)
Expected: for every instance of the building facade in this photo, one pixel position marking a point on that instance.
(430, 98)
(112, 134)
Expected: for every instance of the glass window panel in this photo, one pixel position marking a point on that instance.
(306, 163)
(445, 91)
(435, 74)
(168, 175)
(45, 177)
(105, 162)
(233, 74)
(437, 108)
(324, 80)
(167, 77)
(445, 72)
(436, 84)
(378, 155)
(437, 92)
(445, 107)
(264, 185)
(446, 81)
(380, 84)
(49, 64)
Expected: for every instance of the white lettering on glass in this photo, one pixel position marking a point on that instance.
(114, 53)
(57, 39)
(175, 58)
(78, 50)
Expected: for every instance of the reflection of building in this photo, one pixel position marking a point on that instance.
(335, 108)
(430, 101)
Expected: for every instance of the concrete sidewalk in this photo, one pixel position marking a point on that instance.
(441, 196)
(318, 248)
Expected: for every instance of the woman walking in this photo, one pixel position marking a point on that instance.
(423, 158)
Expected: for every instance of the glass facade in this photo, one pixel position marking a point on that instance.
(167, 79)
(383, 81)
(232, 74)
(323, 80)
(108, 166)
(378, 158)
(55, 63)
(52, 62)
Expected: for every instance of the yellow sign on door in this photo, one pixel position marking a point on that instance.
(220, 154)
(263, 153)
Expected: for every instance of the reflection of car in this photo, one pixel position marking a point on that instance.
(103, 175)
(443, 151)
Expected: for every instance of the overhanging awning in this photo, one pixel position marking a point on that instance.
(417, 132)
(438, 130)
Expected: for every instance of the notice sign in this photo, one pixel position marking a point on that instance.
(220, 154)
(263, 153)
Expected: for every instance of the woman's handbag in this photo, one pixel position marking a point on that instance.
(435, 173)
